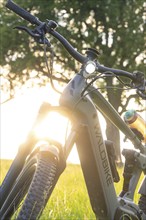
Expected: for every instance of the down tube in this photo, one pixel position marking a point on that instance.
(92, 150)
(97, 174)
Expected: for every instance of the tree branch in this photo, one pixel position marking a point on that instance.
(127, 101)
(9, 99)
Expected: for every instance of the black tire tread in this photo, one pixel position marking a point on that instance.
(40, 189)
(40, 175)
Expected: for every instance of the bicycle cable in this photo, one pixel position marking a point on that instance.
(104, 75)
(50, 67)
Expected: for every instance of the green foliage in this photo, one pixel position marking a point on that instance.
(116, 28)
(113, 27)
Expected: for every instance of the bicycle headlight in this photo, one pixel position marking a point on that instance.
(89, 68)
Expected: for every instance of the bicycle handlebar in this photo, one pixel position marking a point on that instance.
(74, 53)
(22, 12)
(119, 72)
(34, 20)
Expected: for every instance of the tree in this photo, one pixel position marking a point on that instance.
(116, 28)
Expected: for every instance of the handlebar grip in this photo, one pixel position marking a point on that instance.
(22, 12)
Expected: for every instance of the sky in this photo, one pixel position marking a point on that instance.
(18, 115)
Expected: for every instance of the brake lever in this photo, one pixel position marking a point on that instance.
(37, 34)
(32, 33)
(139, 83)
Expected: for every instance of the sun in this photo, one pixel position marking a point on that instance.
(18, 116)
(54, 126)
(57, 127)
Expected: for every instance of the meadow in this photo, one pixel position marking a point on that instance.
(69, 200)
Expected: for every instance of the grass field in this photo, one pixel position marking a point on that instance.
(69, 200)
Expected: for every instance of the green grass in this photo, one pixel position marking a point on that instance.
(69, 200)
(4, 166)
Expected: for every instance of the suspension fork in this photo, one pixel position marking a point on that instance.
(23, 151)
(26, 148)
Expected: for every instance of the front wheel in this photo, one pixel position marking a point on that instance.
(34, 186)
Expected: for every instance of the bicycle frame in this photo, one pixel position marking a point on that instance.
(87, 135)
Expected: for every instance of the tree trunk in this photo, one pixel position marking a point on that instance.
(112, 134)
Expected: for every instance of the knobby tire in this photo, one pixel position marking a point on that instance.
(36, 181)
